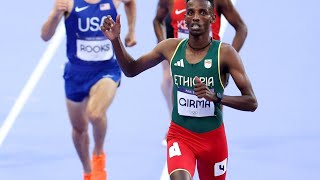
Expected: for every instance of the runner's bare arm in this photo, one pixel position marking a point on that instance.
(60, 9)
(131, 67)
(130, 9)
(231, 63)
(233, 17)
(162, 12)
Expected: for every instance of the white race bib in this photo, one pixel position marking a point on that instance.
(190, 105)
(220, 168)
(94, 50)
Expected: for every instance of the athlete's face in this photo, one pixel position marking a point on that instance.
(199, 16)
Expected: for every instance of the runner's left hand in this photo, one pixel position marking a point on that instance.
(110, 28)
(202, 91)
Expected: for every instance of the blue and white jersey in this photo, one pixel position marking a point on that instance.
(86, 44)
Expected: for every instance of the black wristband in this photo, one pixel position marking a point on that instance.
(219, 96)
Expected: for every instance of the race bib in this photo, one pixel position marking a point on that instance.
(190, 105)
(183, 33)
(94, 50)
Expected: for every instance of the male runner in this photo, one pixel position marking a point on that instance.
(199, 67)
(92, 74)
(172, 13)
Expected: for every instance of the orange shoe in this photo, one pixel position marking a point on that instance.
(86, 176)
(99, 167)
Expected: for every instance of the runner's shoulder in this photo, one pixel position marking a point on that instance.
(170, 43)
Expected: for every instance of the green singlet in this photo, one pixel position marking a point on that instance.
(190, 112)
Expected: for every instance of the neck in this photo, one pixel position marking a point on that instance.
(92, 1)
(199, 48)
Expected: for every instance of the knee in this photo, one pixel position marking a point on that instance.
(180, 175)
(79, 129)
(95, 116)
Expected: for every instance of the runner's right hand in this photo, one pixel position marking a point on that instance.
(202, 91)
(61, 6)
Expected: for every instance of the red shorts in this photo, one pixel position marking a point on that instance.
(208, 150)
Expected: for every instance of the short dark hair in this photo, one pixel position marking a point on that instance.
(211, 2)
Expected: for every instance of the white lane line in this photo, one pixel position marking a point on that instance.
(32, 82)
(164, 174)
(223, 27)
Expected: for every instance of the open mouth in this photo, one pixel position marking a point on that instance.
(195, 26)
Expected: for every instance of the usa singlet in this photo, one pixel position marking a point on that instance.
(86, 44)
(91, 56)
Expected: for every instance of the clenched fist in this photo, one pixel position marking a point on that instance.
(61, 6)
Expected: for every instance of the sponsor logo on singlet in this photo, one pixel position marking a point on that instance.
(179, 11)
(94, 49)
(179, 63)
(79, 9)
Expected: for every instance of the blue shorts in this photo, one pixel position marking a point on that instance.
(80, 79)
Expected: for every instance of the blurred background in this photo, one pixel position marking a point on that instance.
(279, 141)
